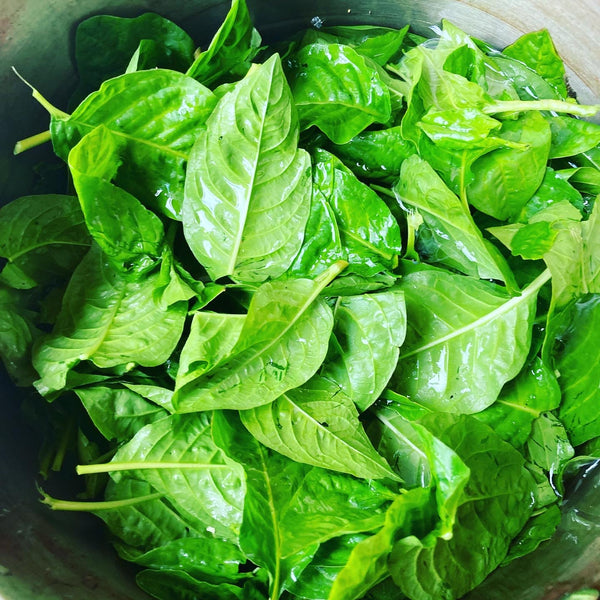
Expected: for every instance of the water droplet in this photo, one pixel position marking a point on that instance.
(317, 22)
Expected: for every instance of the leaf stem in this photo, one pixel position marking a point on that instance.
(52, 110)
(75, 506)
(31, 142)
(327, 276)
(559, 106)
(135, 466)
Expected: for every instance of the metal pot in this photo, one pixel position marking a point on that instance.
(51, 556)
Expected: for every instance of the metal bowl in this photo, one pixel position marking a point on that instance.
(52, 556)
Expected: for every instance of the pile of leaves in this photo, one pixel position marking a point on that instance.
(321, 319)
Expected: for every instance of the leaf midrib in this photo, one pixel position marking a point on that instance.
(503, 309)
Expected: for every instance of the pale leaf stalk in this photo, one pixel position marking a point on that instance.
(558, 106)
(75, 506)
(32, 142)
(136, 466)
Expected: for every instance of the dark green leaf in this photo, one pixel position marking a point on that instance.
(231, 50)
(43, 238)
(104, 45)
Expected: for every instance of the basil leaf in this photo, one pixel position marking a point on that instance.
(157, 113)
(43, 237)
(345, 83)
(104, 44)
(282, 343)
(317, 424)
(108, 319)
(437, 365)
(231, 50)
(248, 181)
(367, 334)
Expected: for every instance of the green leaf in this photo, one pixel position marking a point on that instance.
(553, 190)
(380, 44)
(453, 320)
(458, 128)
(572, 136)
(104, 45)
(109, 320)
(505, 179)
(318, 577)
(317, 424)
(174, 584)
(493, 508)
(452, 237)
(17, 334)
(209, 558)
(118, 413)
(322, 245)
(577, 357)
(211, 339)
(534, 391)
(43, 237)
(529, 85)
(290, 508)
(370, 237)
(534, 240)
(538, 529)
(271, 481)
(548, 445)
(157, 114)
(364, 349)
(375, 154)
(337, 90)
(367, 563)
(248, 186)
(177, 456)
(282, 343)
(129, 234)
(231, 50)
(144, 525)
(537, 51)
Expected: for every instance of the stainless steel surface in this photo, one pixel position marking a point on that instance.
(48, 556)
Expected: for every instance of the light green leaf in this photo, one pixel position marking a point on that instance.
(282, 343)
(364, 348)
(452, 322)
(211, 339)
(177, 456)
(452, 237)
(157, 114)
(505, 179)
(108, 319)
(344, 93)
(247, 195)
(317, 424)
